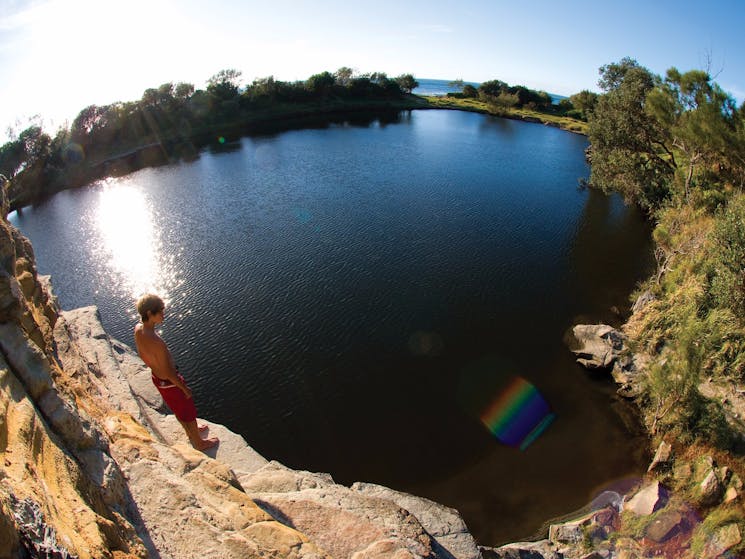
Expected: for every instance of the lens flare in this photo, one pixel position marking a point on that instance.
(518, 414)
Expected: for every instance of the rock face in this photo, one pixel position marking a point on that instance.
(363, 521)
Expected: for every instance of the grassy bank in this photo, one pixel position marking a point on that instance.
(478, 106)
(692, 390)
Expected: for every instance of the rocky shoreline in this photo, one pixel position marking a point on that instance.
(93, 467)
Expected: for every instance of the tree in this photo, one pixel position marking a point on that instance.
(629, 149)
(503, 101)
(584, 101)
(12, 156)
(470, 91)
(224, 84)
(343, 76)
(183, 91)
(321, 84)
(612, 75)
(378, 77)
(150, 97)
(492, 88)
(264, 87)
(407, 82)
(700, 118)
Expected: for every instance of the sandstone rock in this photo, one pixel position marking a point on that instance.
(666, 525)
(193, 507)
(642, 301)
(730, 495)
(341, 520)
(724, 539)
(661, 457)
(710, 490)
(86, 350)
(385, 549)
(444, 524)
(594, 526)
(543, 549)
(120, 376)
(647, 500)
(599, 345)
(9, 544)
(26, 359)
(734, 488)
(568, 532)
(28, 285)
(38, 470)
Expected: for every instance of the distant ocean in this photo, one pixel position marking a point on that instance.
(443, 87)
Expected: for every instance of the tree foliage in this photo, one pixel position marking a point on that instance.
(499, 94)
(584, 102)
(407, 83)
(661, 140)
(629, 151)
(225, 84)
(343, 76)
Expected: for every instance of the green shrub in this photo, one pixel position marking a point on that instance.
(717, 519)
(728, 253)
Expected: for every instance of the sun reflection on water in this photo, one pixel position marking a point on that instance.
(131, 247)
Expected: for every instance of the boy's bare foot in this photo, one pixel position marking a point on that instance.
(203, 428)
(205, 444)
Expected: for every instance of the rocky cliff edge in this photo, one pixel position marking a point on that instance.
(92, 466)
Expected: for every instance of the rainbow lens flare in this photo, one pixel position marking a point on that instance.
(518, 415)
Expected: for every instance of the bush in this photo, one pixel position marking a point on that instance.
(728, 253)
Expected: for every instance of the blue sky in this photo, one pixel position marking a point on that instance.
(58, 56)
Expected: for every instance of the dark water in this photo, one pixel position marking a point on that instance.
(347, 298)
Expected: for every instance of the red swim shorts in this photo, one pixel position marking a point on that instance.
(182, 407)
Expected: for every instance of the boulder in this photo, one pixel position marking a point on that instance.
(661, 458)
(543, 549)
(647, 500)
(346, 522)
(724, 539)
(710, 490)
(665, 526)
(599, 345)
(444, 524)
(734, 488)
(594, 526)
(642, 301)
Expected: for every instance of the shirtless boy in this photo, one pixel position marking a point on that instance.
(165, 376)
